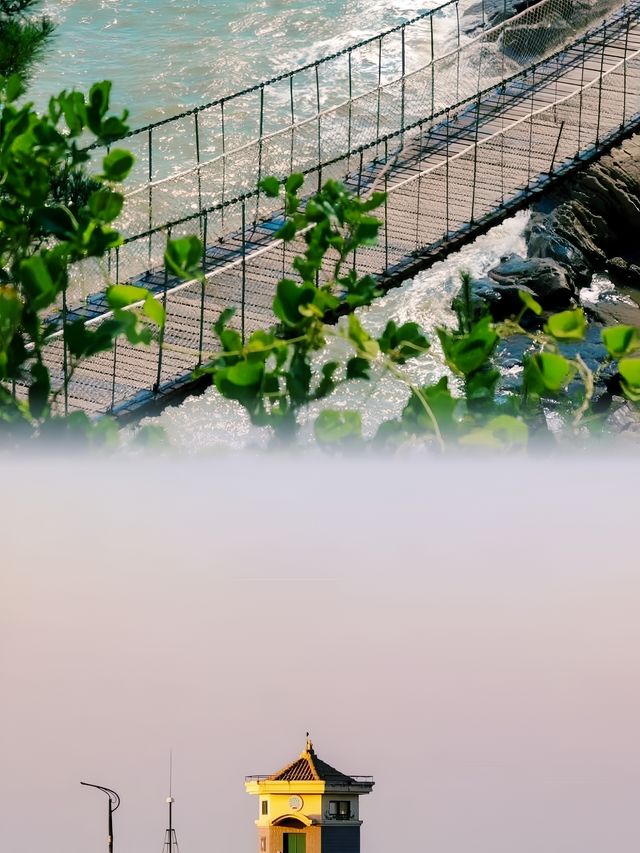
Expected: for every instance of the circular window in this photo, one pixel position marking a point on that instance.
(295, 803)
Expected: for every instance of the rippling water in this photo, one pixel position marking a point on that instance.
(171, 55)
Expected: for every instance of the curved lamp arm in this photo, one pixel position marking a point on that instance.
(114, 802)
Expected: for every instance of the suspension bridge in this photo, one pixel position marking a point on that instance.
(459, 131)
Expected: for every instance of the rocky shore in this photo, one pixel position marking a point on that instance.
(588, 226)
(585, 232)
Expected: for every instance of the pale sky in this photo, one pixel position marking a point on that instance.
(467, 633)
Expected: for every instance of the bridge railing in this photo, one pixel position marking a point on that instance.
(394, 102)
(169, 146)
(336, 142)
(475, 176)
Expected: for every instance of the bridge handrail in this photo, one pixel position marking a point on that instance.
(490, 33)
(292, 73)
(534, 15)
(336, 107)
(580, 88)
(252, 255)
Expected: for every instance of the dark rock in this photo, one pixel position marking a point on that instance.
(623, 273)
(575, 223)
(546, 279)
(486, 12)
(600, 211)
(544, 242)
(610, 312)
(488, 296)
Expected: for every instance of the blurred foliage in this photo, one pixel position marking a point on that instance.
(24, 37)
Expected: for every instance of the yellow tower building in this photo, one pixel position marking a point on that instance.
(308, 807)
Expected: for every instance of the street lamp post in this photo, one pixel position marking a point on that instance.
(114, 802)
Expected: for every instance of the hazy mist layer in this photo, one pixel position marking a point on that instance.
(467, 633)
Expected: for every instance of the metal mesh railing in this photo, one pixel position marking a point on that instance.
(396, 100)
(208, 130)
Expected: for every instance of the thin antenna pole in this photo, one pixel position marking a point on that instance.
(170, 841)
(170, 801)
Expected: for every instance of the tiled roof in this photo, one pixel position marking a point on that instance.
(308, 768)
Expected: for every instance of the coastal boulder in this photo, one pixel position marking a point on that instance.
(488, 296)
(546, 279)
(544, 241)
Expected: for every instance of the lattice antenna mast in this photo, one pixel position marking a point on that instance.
(170, 841)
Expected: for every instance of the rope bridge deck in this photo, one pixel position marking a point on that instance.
(449, 174)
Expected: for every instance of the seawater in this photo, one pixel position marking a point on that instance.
(164, 57)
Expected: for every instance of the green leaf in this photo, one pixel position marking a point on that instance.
(74, 110)
(480, 388)
(567, 325)
(99, 95)
(629, 369)
(530, 303)
(113, 128)
(76, 336)
(183, 257)
(334, 427)
(39, 390)
(14, 88)
(126, 322)
(37, 282)
(440, 403)
(294, 182)
(10, 315)
(298, 377)
(327, 384)
(117, 165)
(223, 320)
(56, 220)
(360, 291)
(404, 342)
(287, 232)
(358, 368)
(620, 340)
(245, 373)
(361, 339)
(290, 299)
(271, 186)
(377, 199)
(105, 205)
(470, 352)
(122, 295)
(547, 372)
(366, 231)
(154, 310)
(97, 105)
